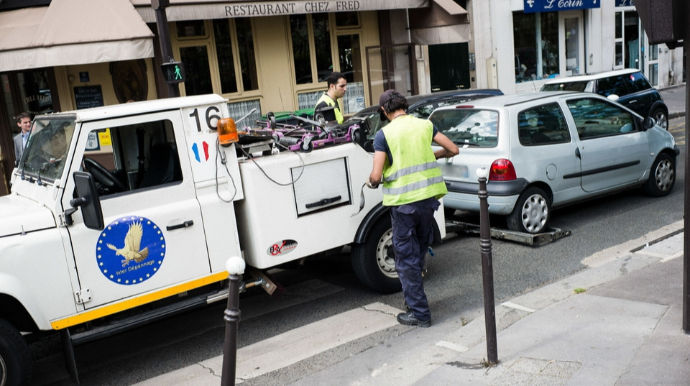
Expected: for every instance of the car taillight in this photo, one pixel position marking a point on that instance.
(502, 170)
(464, 107)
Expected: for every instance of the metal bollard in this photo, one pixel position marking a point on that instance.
(487, 269)
(235, 267)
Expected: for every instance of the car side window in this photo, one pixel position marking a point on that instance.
(596, 118)
(132, 157)
(542, 125)
(637, 82)
(612, 85)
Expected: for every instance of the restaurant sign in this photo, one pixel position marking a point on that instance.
(532, 6)
(275, 8)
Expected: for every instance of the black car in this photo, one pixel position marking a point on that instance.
(627, 87)
(421, 106)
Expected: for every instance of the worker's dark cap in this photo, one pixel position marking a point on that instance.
(389, 95)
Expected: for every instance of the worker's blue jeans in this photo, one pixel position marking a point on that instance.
(412, 235)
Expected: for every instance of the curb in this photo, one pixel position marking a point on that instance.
(676, 114)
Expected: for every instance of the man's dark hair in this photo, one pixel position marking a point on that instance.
(334, 77)
(22, 116)
(396, 101)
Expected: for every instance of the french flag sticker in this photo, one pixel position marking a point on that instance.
(195, 149)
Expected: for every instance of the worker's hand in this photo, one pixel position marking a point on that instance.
(372, 186)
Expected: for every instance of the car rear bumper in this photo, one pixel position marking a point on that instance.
(501, 205)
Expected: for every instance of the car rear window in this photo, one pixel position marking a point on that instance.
(584, 86)
(612, 85)
(471, 127)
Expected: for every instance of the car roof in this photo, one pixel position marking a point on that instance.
(585, 78)
(416, 99)
(516, 99)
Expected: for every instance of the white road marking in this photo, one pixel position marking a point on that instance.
(517, 307)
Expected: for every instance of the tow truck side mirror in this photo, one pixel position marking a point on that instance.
(87, 200)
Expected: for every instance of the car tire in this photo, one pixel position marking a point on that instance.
(661, 118)
(531, 212)
(662, 176)
(374, 260)
(15, 357)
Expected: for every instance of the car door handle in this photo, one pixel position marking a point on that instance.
(634, 101)
(185, 224)
(577, 153)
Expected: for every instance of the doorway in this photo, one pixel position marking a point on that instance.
(572, 47)
(449, 66)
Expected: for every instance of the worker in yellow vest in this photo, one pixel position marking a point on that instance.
(412, 184)
(337, 85)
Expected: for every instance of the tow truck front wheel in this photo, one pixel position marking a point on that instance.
(15, 357)
(374, 260)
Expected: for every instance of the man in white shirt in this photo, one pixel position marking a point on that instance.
(24, 123)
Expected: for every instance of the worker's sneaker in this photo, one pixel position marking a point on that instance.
(408, 319)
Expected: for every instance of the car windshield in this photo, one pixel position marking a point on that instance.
(583, 86)
(47, 146)
(468, 126)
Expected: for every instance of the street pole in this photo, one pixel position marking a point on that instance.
(164, 38)
(235, 267)
(487, 269)
(686, 200)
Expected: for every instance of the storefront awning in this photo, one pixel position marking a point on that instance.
(444, 21)
(70, 32)
(180, 10)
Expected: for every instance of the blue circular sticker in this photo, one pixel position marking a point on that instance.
(130, 250)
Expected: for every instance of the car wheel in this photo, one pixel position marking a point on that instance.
(15, 357)
(374, 260)
(662, 176)
(531, 212)
(661, 118)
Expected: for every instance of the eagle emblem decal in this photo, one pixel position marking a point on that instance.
(130, 250)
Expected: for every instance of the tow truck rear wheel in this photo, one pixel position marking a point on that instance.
(374, 260)
(15, 357)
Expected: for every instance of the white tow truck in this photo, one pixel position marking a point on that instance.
(134, 210)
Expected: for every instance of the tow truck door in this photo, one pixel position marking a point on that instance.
(153, 236)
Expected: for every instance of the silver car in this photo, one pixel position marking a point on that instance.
(550, 149)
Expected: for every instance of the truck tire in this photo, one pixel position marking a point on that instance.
(15, 357)
(374, 260)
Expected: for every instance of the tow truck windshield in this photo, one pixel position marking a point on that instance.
(47, 147)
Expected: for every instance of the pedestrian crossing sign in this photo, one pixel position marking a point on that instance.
(173, 72)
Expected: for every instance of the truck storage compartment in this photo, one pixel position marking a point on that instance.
(320, 186)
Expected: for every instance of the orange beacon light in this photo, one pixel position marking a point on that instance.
(227, 131)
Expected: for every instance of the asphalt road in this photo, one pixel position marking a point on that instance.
(453, 286)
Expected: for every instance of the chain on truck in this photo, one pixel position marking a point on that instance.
(134, 210)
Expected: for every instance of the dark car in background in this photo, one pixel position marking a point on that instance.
(627, 87)
(421, 106)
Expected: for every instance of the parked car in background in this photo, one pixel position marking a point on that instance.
(549, 149)
(420, 106)
(627, 87)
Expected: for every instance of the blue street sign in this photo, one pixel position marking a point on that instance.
(532, 6)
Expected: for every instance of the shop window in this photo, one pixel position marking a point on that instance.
(191, 29)
(197, 70)
(347, 19)
(535, 37)
(311, 38)
(238, 110)
(232, 43)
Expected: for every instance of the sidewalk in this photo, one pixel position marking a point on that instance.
(625, 329)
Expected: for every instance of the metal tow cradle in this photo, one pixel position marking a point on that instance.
(533, 239)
